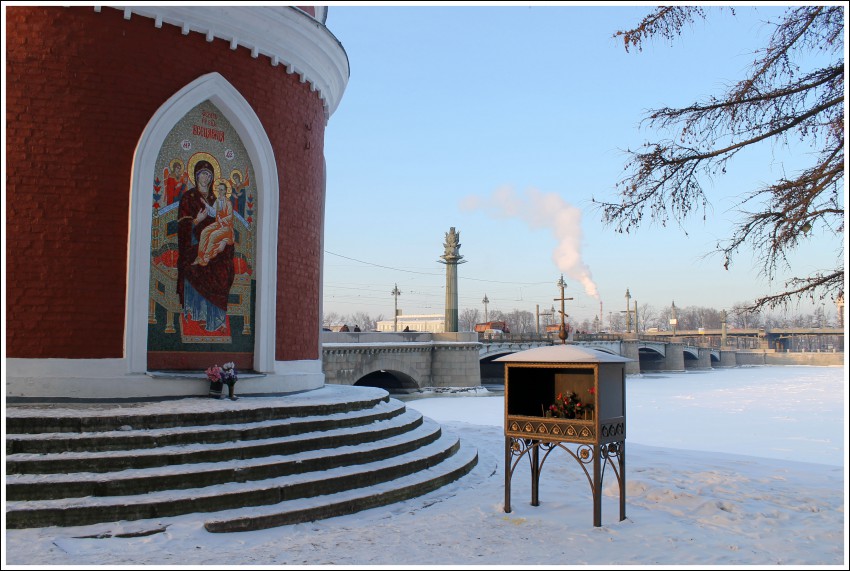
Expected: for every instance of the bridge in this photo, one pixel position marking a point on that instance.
(647, 355)
(780, 339)
(410, 361)
(405, 361)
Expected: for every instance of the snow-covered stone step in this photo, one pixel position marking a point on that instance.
(129, 437)
(194, 411)
(364, 447)
(110, 461)
(164, 503)
(307, 509)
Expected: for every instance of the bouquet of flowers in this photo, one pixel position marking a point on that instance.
(219, 376)
(214, 377)
(214, 374)
(228, 373)
(569, 405)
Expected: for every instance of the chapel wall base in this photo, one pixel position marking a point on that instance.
(45, 380)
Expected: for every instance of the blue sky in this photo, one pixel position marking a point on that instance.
(504, 122)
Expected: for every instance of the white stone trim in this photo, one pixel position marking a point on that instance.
(320, 325)
(285, 34)
(321, 13)
(64, 368)
(108, 379)
(296, 376)
(218, 90)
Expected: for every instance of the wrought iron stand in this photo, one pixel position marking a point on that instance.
(600, 455)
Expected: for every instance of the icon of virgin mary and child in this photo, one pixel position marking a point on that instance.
(205, 244)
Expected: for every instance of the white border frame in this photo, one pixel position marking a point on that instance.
(222, 94)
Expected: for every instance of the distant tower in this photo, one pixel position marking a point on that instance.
(395, 293)
(451, 258)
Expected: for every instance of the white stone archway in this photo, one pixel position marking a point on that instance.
(214, 88)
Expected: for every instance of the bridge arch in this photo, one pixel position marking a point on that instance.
(651, 358)
(393, 381)
(410, 364)
(604, 349)
(690, 352)
(690, 358)
(499, 349)
(493, 373)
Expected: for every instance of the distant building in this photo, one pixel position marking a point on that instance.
(500, 326)
(491, 329)
(429, 323)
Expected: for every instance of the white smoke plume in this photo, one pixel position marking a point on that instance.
(540, 210)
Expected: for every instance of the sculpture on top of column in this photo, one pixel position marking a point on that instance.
(451, 257)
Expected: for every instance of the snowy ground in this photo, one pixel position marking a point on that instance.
(739, 467)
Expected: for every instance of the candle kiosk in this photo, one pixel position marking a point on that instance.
(571, 398)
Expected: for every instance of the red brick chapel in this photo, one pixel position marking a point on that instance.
(164, 196)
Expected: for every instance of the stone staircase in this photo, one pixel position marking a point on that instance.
(249, 464)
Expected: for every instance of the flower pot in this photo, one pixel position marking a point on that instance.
(231, 387)
(215, 389)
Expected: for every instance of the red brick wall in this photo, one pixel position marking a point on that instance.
(81, 86)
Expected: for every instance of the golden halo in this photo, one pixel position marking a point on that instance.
(202, 156)
(227, 185)
(241, 176)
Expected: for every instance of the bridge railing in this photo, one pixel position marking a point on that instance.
(517, 338)
(546, 337)
(597, 337)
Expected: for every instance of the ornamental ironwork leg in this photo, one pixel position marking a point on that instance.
(597, 489)
(507, 475)
(535, 473)
(622, 480)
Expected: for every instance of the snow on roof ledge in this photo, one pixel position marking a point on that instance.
(563, 354)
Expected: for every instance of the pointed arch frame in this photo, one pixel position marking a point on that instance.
(222, 94)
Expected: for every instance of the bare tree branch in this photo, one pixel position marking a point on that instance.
(774, 102)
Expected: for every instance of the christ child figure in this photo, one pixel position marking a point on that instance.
(219, 234)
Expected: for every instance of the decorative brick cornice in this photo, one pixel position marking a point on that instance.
(288, 36)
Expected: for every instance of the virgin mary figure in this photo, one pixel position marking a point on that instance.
(203, 289)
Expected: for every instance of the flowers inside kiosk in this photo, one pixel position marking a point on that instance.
(568, 398)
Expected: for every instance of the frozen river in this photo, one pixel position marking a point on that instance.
(782, 412)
